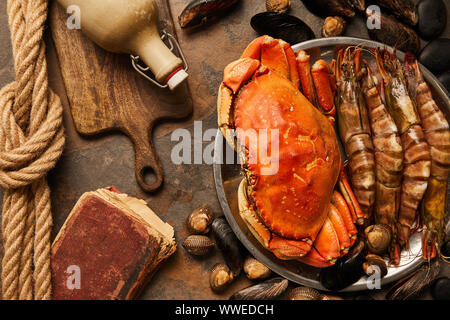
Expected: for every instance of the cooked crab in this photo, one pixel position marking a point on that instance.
(293, 210)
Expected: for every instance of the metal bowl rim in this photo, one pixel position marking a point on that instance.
(292, 276)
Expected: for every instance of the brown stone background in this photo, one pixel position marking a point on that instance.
(91, 163)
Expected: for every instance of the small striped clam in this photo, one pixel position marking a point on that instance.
(198, 245)
(255, 269)
(306, 293)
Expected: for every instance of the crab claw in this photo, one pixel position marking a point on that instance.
(236, 74)
(276, 55)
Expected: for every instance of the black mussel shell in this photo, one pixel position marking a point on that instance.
(228, 244)
(394, 33)
(324, 8)
(199, 12)
(440, 289)
(432, 18)
(346, 271)
(405, 10)
(282, 26)
(445, 249)
(435, 56)
(266, 290)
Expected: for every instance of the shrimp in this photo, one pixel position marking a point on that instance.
(416, 158)
(388, 159)
(437, 133)
(354, 129)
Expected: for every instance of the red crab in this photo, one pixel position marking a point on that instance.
(293, 211)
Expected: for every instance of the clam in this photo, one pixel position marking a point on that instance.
(198, 245)
(378, 238)
(281, 26)
(304, 293)
(228, 244)
(200, 219)
(375, 264)
(278, 6)
(220, 277)
(255, 269)
(440, 289)
(267, 290)
(359, 5)
(411, 286)
(346, 271)
(333, 27)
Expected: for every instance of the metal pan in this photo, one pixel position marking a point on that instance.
(228, 176)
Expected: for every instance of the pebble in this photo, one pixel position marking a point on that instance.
(432, 18)
(435, 56)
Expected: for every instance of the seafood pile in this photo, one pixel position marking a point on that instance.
(396, 139)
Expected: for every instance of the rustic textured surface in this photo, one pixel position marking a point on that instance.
(88, 164)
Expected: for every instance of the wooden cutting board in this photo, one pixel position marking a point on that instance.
(105, 93)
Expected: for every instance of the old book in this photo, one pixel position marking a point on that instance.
(109, 247)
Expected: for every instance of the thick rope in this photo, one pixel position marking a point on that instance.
(31, 142)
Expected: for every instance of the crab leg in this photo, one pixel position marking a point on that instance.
(341, 205)
(306, 80)
(321, 72)
(437, 134)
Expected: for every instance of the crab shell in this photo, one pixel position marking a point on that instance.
(287, 210)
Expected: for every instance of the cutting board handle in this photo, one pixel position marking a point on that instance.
(146, 163)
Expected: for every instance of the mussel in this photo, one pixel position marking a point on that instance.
(346, 271)
(323, 8)
(440, 289)
(220, 277)
(228, 244)
(198, 245)
(200, 219)
(393, 32)
(403, 9)
(199, 12)
(278, 6)
(267, 290)
(281, 26)
(378, 238)
(255, 269)
(411, 286)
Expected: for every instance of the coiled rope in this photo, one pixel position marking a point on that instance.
(31, 142)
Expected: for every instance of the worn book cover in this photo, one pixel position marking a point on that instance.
(109, 247)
